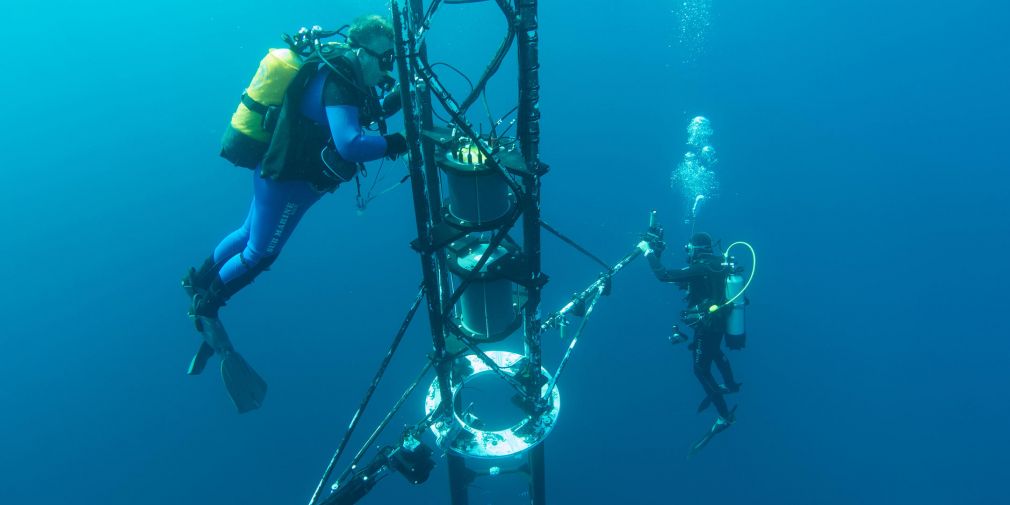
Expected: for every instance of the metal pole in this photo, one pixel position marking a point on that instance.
(538, 485)
(421, 205)
(424, 111)
(427, 203)
(529, 141)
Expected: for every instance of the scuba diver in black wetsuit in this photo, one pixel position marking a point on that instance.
(705, 281)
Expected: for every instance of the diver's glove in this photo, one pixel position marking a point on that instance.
(652, 245)
(396, 144)
(654, 237)
(676, 337)
(658, 247)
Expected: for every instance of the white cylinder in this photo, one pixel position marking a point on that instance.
(736, 329)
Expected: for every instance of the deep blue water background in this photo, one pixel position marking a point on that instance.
(862, 150)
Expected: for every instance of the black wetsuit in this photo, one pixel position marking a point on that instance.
(705, 282)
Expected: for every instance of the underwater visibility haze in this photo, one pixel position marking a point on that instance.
(858, 146)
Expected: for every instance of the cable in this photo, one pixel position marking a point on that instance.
(465, 78)
(385, 422)
(368, 395)
(572, 243)
(454, 69)
(571, 346)
(753, 268)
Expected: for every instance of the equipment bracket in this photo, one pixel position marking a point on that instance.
(515, 268)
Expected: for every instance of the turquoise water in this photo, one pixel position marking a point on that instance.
(861, 150)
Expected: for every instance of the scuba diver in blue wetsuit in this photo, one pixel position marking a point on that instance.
(705, 279)
(300, 128)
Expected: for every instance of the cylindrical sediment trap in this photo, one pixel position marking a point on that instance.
(478, 196)
(488, 310)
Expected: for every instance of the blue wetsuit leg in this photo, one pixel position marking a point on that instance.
(276, 209)
(236, 241)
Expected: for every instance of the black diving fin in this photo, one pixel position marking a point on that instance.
(720, 425)
(246, 388)
(199, 361)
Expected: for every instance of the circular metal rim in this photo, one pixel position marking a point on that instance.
(525, 434)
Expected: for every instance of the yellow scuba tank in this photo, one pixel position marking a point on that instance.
(248, 135)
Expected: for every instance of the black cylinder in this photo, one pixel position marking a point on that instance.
(478, 195)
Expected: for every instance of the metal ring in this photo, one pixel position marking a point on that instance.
(458, 433)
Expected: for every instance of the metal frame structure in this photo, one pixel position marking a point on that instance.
(410, 25)
(480, 286)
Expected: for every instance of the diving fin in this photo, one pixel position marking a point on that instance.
(199, 361)
(246, 388)
(707, 401)
(720, 425)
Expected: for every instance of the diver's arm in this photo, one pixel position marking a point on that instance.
(352, 143)
(665, 275)
(345, 128)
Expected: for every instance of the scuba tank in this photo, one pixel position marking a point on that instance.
(248, 135)
(736, 329)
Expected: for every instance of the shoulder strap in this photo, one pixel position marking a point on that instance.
(341, 65)
(253, 105)
(335, 57)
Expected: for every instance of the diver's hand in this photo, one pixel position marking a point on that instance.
(656, 232)
(654, 238)
(396, 145)
(676, 337)
(656, 244)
